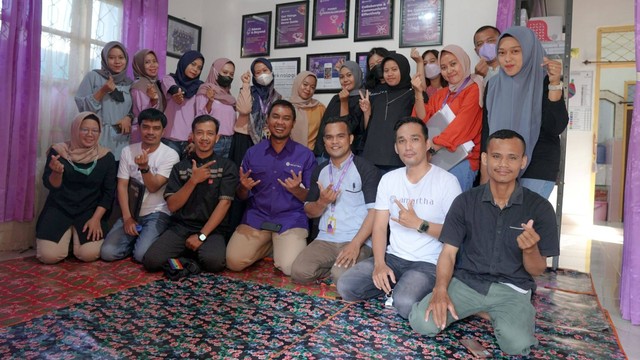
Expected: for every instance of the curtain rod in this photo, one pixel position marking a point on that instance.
(587, 62)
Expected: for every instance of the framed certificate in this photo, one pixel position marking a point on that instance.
(284, 71)
(182, 36)
(420, 23)
(291, 24)
(374, 20)
(330, 19)
(324, 67)
(256, 35)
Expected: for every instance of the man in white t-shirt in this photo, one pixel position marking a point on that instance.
(150, 163)
(413, 201)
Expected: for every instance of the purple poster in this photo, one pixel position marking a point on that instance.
(421, 23)
(324, 66)
(374, 20)
(330, 19)
(291, 25)
(256, 32)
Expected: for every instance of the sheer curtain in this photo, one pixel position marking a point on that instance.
(145, 27)
(19, 71)
(630, 277)
(506, 12)
(73, 34)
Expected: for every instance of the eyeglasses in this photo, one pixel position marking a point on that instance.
(92, 131)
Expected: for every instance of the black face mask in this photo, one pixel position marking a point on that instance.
(378, 71)
(224, 81)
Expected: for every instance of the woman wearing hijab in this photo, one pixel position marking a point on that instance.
(526, 96)
(382, 111)
(463, 102)
(253, 104)
(183, 100)
(374, 76)
(145, 91)
(434, 79)
(107, 92)
(81, 178)
(220, 103)
(309, 111)
(345, 103)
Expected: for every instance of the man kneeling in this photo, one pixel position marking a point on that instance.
(504, 232)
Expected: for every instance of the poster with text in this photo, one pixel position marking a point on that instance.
(284, 71)
(256, 33)
(330, 19)
(324, 67)
(291, 24)
(374, 20)
(421, 23)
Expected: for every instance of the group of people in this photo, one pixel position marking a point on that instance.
(345, 191)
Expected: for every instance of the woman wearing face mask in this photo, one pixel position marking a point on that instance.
(382, 111)
(81, 178)
(462, 100)
(183, 100)
(253, 104)
(527, 96)
(374, 76)
(145, 91)
(345, 103)
(433, 77)
(309, 111)
(107, 92)
(221, 104)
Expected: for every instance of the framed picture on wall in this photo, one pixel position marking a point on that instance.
(330, 19)
(420, 23)
(324, 67)
(256, 35)
(374, 20)
(291, 24)
(182, 36)
(361, 59)
(284, 71)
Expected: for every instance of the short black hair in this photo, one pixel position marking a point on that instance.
(282, 102)
(483, 28)
(337, 120)
(152, 114)
(507, 134)
(204, 118)
(411, 120)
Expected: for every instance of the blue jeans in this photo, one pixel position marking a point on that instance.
(464, 174)
(179, 146)
(118, 245)
(542, 187)
(222, 147)
(415, 279)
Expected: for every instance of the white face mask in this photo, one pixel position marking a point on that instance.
(431, 70)
(264, 79)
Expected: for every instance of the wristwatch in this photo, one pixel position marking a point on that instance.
(143, 171)
(556, 87)
(424, 227)
(202, 237)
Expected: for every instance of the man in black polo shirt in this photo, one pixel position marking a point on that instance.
(199, 193)
(504, 232)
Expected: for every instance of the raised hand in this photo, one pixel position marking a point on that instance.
(328, 195)
(202, 173)
(152, 93)
(529, 237)
(110, 85)
(246, 181)
(364, 102)
(416, 83)
(55, 165)
(407, 216)
(293, 182)
(415, 55)
(554, 70)
(142, 160)
(178, 97)
(211, 94)
(246, 77)
(482, 68)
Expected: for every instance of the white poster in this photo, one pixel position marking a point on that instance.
(284, 71)
(581, 101)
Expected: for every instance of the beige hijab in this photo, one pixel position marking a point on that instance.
(463, 58)
(73, 151)
(300, 132)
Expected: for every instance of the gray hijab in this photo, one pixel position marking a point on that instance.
(515, 102)
(357, 76)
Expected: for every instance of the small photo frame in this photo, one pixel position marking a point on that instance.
(284, 71)
(421, 23)
(361, 59)
(182, 36)
(256, 35)
(324, 67)
(374, 20)
(330, 19)
(291, 24)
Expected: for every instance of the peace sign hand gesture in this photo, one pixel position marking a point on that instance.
(365, 103)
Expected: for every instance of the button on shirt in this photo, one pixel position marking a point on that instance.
(269, 200)
(486, 236)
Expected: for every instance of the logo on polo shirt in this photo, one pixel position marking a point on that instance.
(293, 165)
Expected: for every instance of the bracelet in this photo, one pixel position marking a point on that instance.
(556, 87)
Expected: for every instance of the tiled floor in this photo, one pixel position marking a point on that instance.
(594, 249)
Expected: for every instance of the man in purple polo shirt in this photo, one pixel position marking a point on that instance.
(274, 179)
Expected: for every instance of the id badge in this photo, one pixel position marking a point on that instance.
(331, 225)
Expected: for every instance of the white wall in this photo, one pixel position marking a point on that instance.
(221, 29)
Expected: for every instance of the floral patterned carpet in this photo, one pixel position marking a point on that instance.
(117, 311)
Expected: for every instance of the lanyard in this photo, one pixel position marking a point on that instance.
(263, 109)
(336, 187)
(456, 93)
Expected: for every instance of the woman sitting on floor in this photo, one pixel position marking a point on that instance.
(81, 178)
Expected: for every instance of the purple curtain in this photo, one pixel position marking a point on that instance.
(145, 27)
(506, 13)
(630, 278)
(19, 96)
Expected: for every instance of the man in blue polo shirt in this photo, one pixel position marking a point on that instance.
(274, 177)
(342, 195)
(504, 233)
